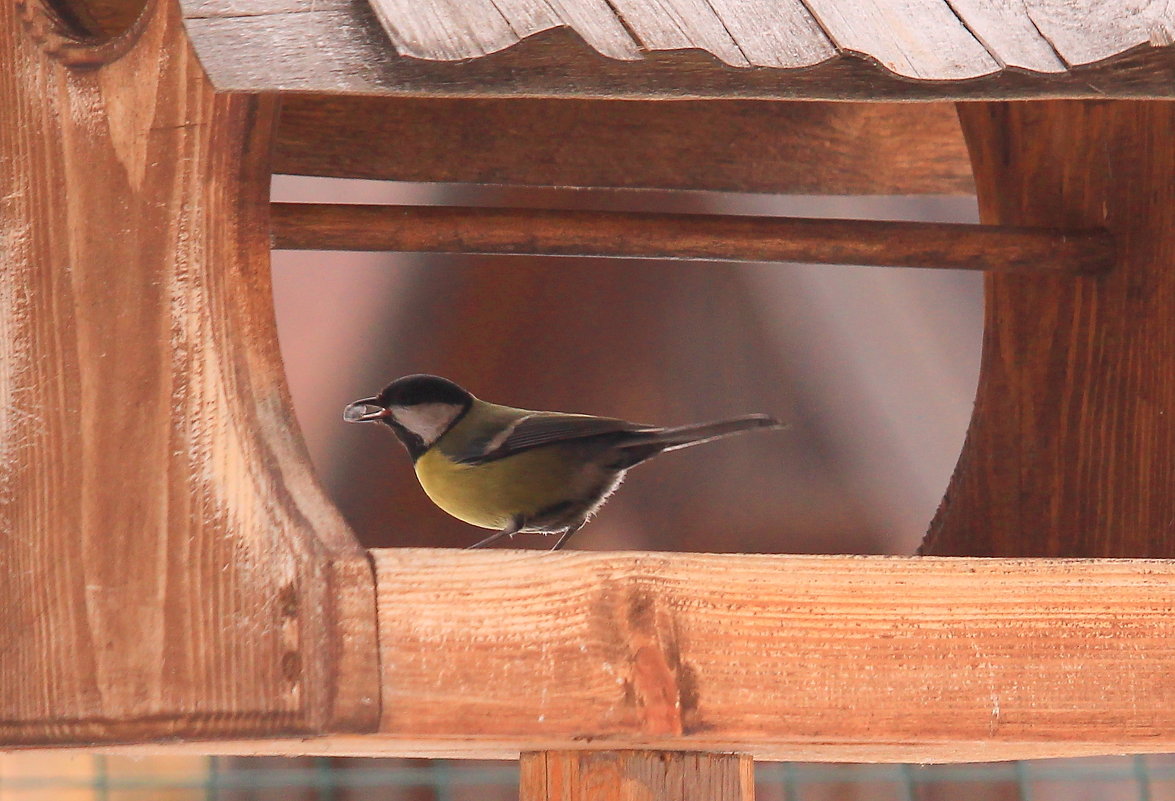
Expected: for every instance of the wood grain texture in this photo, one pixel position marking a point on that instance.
(926, 39)
(338, 46)
(375, 745)
(682, 24)
(1071, 449)
(1007, 30)
(1084, 32)
(738, 146)
(171, 567)
(453, 29)
(774, 33)
(636, 776)
(706, 237)
(843, 658)
(913, 38)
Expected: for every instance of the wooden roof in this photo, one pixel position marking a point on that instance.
(918, 49)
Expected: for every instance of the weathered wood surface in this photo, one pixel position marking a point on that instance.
(866, 658)
(737, 146)
(170, 566)
(702, 237)
(930, 39)
(636, 776)
(817, 49)
(1071, 450)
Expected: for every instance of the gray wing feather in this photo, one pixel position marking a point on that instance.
(547, 428)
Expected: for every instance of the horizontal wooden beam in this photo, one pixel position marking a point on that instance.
(783, 657)
(736, 146)
(874, 659)
(376, 745)
(488, 654)
(706, 237)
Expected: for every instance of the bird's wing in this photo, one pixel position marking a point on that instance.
(544, 428)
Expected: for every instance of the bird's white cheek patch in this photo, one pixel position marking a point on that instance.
(427, 420)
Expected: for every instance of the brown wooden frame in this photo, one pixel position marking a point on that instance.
(174, 572)
(872, 659)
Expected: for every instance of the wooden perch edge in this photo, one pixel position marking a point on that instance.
(489, 654)
(783, 657)
(439, 229)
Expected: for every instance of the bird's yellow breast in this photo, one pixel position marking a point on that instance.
(492, 494)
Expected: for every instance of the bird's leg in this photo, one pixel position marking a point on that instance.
(511, 529)
(566, 535)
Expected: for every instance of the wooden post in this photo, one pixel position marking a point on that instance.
(1071, 450)
(170, 565)
(636, 776)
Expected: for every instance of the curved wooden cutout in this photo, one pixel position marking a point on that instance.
(1071, 450)
(170, 566)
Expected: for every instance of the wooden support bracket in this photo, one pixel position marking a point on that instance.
(171, 567)
(1071, 450)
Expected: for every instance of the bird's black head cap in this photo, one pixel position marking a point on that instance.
(413, 390)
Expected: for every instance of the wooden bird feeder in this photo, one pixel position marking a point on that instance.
(173, 577)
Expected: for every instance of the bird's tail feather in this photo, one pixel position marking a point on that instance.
(670, 439)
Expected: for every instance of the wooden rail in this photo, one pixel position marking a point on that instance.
(733, 146)
(546, 232)
(876, 659)
(782, 657)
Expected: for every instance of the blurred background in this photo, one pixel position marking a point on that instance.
(85, 777)
(875, 369)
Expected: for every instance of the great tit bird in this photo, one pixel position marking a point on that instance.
(516, 470)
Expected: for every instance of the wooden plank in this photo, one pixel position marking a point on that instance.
(1087, 31)
(1071, 449)
(708, 237)
(930, 39)
(339, 47)
(594, 21)
(376, 745)
(865, 658)
(777, 34)
(636, 776)
(171, 567)
(740, 146)
(913, 38)
(680, 25)
(1008, 32)
(774, 33)
(447, 29)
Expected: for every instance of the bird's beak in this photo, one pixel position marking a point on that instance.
(366, 410)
